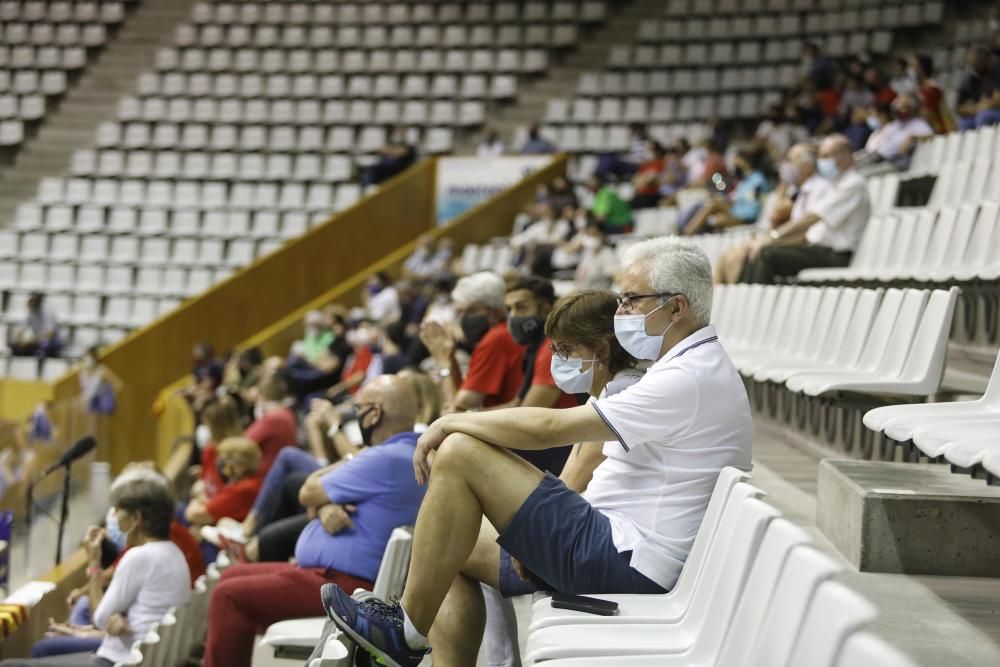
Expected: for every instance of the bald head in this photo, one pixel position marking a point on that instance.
(396, 401)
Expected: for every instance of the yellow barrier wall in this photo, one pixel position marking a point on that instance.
(253, 298)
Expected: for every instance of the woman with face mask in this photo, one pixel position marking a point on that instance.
(586, 359)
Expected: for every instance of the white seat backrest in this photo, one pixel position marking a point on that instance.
(974, 188)
(904, 331)
(958, 241)
(941, 238)
(834, 614)
(871, 243)
(878, 338)
(748, 310)
(985, 237)
(762, 320)
(730, 489)
(890, 239)
(805, 569)
(925, 362)
(728, 565)
(821, 323)
(769, 566)
(835, 334)
(789, 301)
(805, 317)
(919, 241)
(395, 562)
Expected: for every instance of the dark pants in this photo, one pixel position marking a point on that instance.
(49, 348)
(279, 494)
(610, 165)
(276, 541)
(250, 597)
(785, 261)
(52, 646)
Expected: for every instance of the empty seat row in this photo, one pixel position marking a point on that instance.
(332, 61)
(683, 80)
(790, 23)
(61, 12)
(116, 311)
(59, 232)
(375, 37)
(748, 52)
(29, 82)
(45, 34)
(740, 7)
(90, 282)
(42, 57)
(25, 107)
(966, 434)
(945, 150)
(825, 341)
(180, 194)
(926, 245)
(32, 368)
(662, 108)
(207, 88)
(397, 13)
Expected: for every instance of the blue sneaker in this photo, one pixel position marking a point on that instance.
(376, 626)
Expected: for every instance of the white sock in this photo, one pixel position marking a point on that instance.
(414, 639)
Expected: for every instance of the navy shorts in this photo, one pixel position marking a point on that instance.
(566, 544)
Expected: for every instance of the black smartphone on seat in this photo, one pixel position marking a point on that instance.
(587, 605)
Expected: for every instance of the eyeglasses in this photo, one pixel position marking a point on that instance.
(628, 301)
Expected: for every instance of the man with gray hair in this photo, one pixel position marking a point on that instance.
(666, 437)
(494, 375)
(828, 233)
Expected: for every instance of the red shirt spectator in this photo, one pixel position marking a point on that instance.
(277, 428)
(209, 473)
(234, 500)
(495, 367)
(543, 376)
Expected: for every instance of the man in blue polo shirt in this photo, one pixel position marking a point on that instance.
(355, 505)
(666, 438)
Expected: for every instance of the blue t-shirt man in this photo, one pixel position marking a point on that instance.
(746, 202)
(379, 481)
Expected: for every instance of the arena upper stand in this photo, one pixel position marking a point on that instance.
(267, 182)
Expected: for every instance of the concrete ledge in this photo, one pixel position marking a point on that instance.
(909, 518)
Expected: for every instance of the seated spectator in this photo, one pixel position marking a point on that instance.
(394, 158)
(355, 507)
(561, 195)
(207, 373)
(744, 204)
(854, 96)
(860, 127)
(609, 210)
(611, 166)
(902, 82)
(151, 578)
(78, 634)
(647, 178)
(598, 260)
(362, 341)
(238, 461)
(605, 541)
(242, 371)
(275, 426)
(306, 378)
(490, 146)
(99, 389)
(529, 302)
(979, 94)
(586, 358)
(421, 263)
(800, 187)
(932, 103)
(316, 338)
(494, 375)
(828, 234)
(895, 142)
(876, 84)
(219, 420)
(381, 299)
(817, 67)
(673, 177)
(536, 144)
(712, 166)
(38, 335)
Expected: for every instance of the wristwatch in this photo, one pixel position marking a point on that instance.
(774, 235)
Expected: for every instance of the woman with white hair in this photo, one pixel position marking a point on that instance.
(495, 375)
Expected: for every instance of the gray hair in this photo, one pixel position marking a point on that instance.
(485, 287)
(675, 265)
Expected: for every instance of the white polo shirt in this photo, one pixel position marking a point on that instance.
(843, 213)
(677, 427)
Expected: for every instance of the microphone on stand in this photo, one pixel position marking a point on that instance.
(80, 448)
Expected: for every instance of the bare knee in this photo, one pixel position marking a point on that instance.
(459, 449)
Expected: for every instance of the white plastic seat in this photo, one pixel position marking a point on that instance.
(729, 491)
(834, 614)
(717, 598)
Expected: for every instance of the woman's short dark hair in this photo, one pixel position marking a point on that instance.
(587, 318)
(151, 500)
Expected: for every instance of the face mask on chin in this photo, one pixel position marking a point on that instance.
(367, 430)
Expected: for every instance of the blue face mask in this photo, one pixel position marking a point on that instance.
(113, 531)
(827, 167)
(873, 122)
